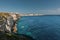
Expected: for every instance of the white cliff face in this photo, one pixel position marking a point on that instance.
(2, 23)
(10, 22)
(14, 16)
(10, 25)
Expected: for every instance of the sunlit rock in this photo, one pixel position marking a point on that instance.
(10, 21)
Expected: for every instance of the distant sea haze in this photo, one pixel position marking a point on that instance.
(40, 27)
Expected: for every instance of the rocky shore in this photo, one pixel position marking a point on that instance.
(8, 27)
(9, 36)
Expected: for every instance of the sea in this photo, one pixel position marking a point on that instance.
(40, 27)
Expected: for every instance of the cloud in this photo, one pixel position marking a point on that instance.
(56, 11)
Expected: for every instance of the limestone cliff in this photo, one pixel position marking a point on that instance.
(11, 19)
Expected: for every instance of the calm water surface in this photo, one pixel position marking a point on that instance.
(40, 27)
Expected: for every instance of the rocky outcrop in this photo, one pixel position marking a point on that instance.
(9, 36)
(11, 18)
(9, 25)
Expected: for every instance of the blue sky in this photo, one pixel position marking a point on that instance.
(30, 6)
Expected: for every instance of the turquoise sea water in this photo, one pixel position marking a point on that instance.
(40, 27)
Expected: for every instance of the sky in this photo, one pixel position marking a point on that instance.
(30, 6)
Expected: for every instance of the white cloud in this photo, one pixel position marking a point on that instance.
(56, 11)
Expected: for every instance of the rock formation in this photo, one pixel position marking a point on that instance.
(10, 21)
